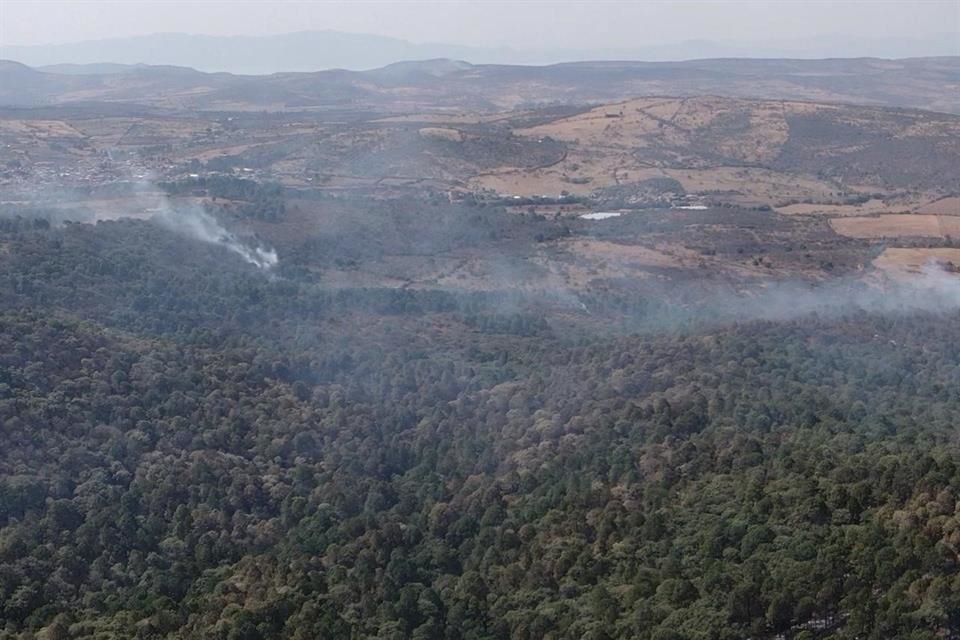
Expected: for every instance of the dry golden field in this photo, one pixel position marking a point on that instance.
(906, 262)
(893, 226)
(949, 206)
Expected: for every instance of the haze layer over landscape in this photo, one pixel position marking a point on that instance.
(262, 37)
(443, 346)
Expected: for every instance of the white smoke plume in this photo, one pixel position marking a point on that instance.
(200, 225)
(933, 288)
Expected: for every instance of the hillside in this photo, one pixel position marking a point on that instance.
(443, 351)
(720, 150)
(197, 448)
(926, 83)
(736, 190)
(752, 152)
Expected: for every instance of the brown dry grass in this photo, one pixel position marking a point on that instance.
(708, 144)
(588, 260)
(582, 173)
(949, 206)
(577, 263)
(900, 262)
(39, 128)
(755, 185)
(579, 174)
(870, 207)
(659, 122)
(630, 254)
(218, 152)
(623, 124)
(441, 133)
(894, 226)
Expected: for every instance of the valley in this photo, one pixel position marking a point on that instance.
(442, 351)
(739, 190)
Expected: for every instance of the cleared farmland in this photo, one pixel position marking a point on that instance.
(895, 226)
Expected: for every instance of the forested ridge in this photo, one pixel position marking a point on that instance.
(195, 449)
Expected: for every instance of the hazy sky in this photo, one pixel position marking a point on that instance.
(517, 23)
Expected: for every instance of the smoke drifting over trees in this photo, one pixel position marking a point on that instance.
(196, 224)
(212, 452)
(321, 383)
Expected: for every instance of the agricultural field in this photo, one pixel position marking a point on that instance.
(898, 226)
(903, 262)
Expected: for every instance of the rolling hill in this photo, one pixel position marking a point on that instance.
(445, 85)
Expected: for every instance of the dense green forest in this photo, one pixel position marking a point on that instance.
(193, 448)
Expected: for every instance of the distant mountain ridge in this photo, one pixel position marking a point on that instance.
(85, 69)
(444, 85)
(318, 50)
(249, 55)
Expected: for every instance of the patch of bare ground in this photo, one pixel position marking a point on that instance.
(949, 206)
(870, 207)
(441, 133)
(42, 129)
(710, 145)
(579, 174)
(622, 124)
(751, 185)
(143, 205)
(897, 226)
(348, 279)
(745, 152)
(217, 152)
(899, 262)
(591, 260)
(583, 173)
(631, 254)
(483, 274)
